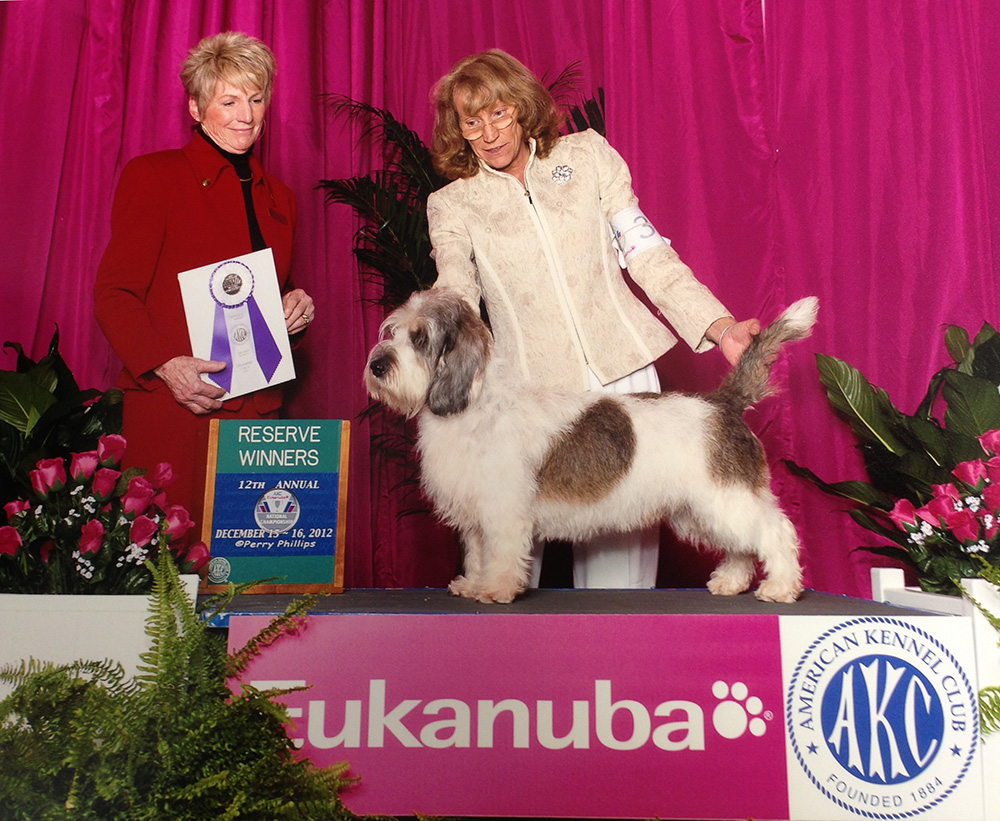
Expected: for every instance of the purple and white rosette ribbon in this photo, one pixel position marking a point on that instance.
(240, 335)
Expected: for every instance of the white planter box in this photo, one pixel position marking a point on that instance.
(63, 629)
(888, 585)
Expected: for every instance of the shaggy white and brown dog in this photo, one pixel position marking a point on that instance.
(505, 464)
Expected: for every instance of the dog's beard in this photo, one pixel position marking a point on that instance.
(403, 386)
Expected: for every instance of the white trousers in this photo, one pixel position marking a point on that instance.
(615, 560)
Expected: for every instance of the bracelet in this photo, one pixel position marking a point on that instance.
(719, 342)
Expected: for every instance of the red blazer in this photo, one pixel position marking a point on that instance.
(173, 211)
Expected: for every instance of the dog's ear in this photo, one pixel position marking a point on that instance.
(464, 347)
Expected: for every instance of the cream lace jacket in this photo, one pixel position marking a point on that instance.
(542, 258)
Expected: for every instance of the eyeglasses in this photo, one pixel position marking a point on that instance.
(472, 129)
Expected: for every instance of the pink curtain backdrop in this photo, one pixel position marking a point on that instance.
(847, 150)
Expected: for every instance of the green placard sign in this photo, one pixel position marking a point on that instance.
(276, 492)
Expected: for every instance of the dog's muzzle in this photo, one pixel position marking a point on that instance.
(379, 366)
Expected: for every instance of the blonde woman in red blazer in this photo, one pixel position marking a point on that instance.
(181, 209)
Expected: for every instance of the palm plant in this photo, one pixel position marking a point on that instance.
(391, 245)
(917, 462)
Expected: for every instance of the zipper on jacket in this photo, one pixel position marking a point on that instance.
(558, 275)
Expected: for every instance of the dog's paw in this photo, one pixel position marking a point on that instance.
(461, 586)
(722, 584)
(503, 594)
(778, 592)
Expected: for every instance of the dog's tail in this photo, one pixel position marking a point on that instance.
(749, 381)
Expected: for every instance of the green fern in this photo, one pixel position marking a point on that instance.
(989, 710)
(80, 741)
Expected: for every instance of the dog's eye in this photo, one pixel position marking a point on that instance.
(419, 338)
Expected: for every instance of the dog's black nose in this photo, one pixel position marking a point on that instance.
(379, 366)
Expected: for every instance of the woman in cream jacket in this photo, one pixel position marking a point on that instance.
(536, 225)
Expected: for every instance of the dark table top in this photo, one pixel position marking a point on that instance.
(433, 601)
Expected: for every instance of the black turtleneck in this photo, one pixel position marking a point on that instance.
(241, 164)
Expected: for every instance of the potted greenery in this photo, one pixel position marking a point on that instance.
(933, 489)
(88, 527)
(44, 413)
(76, 529)
(177, 741)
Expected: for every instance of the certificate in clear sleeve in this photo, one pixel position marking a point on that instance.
(234, 315)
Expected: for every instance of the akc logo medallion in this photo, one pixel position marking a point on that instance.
(882, 718)
(219, 570)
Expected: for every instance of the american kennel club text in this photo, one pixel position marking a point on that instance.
(882, 718)
(606, 720)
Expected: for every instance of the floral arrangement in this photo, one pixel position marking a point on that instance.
(962, 516)
(934, 475)
(45, 413)
(90, 527)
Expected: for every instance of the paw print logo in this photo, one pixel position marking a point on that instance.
(737, 713)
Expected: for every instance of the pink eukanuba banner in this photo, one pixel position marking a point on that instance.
(539, 715)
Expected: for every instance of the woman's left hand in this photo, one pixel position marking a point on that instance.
(735, 338)
(299, 310)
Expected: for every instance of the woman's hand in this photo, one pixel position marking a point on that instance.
(182, 375)
(299, 310)
(733, 337)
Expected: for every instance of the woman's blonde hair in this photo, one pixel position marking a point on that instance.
(236, 58)
(480, 81)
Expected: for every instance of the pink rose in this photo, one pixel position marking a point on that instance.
(991, 497)
(178, 522)
(15, 507)
(50, 475)
(963, 524)
(938, 508)
(45, 549)
(91, 536)
(990, 441)
(160, 476)
(972, 473)
(138, 495)
(142, 530)
(110, 448)
(10, 540)
(948, 491)
(83, 465)
(903, 513)
(104, 483)
(195, 558)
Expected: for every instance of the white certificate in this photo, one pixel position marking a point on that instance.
(234, 315)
